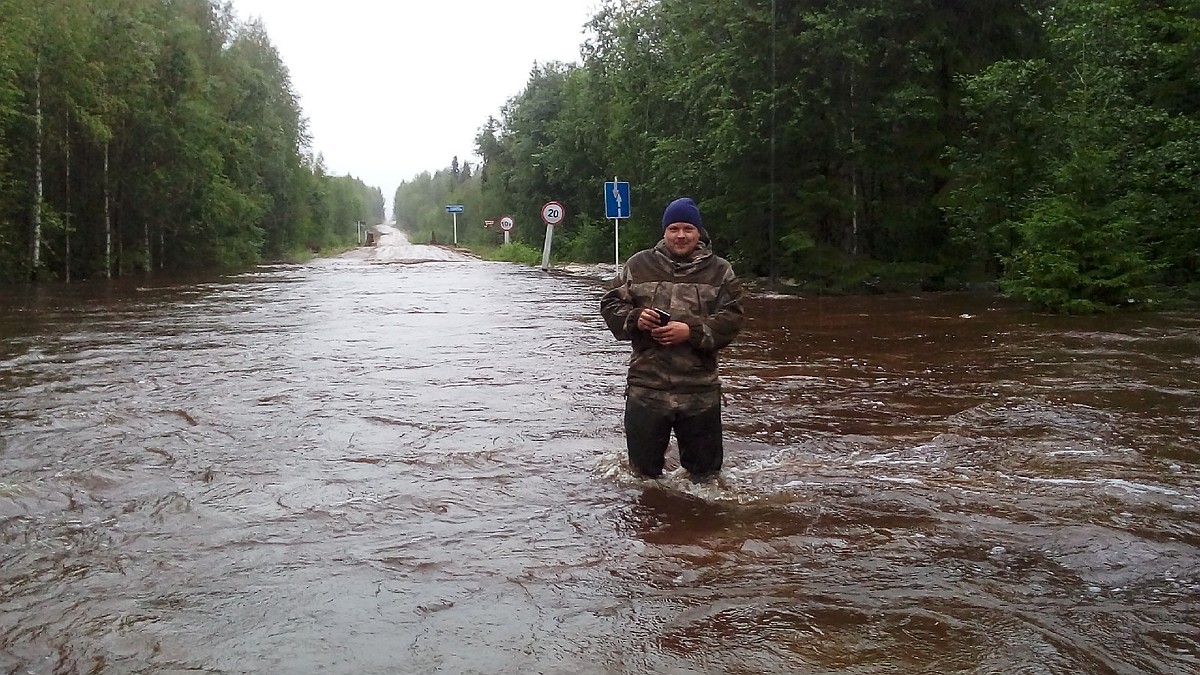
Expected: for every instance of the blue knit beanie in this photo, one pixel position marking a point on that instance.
(682, 210)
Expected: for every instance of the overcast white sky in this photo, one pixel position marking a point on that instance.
(392, 88)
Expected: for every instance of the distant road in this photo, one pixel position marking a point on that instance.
(393, 247)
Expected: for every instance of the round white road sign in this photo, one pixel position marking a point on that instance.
(553, 213)
(506, 223)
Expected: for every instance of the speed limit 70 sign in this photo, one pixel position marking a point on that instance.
(553, 213)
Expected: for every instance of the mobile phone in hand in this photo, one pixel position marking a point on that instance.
(663, 317)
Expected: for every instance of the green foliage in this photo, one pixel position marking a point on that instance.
(591, 241)
(517, 253)
(1050, 144)
(1000, 161)
(1077, 259)
(169, 129)
(1078, 173)
(820, 129)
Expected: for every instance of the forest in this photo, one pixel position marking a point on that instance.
(1050, 148)
(147, 135)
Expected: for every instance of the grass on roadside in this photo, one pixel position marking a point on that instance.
(513, 253)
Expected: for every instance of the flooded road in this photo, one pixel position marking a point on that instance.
(349, 467)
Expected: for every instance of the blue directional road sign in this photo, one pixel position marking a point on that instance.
(454, 208)
(616, 200)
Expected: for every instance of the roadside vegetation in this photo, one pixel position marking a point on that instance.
(140, 135)
(1050, 148)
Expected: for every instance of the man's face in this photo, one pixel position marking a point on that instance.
(682, 239)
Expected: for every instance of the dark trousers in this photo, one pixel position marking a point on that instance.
(648, 430)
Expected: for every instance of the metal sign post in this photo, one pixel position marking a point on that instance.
(616, 206)
(455, 209)
(506, 224)
(552, 214)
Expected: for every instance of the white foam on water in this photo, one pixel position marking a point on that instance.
(898, 479)
(730, 485)
(1126, 485)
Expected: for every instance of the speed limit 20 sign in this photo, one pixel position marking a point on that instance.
(553, 213)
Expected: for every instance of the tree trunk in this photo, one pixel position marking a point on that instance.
(772, 270)
(146, 245)
(853, 174)
(107, 220)
(854, 214)
(67, 210)
(35, 252)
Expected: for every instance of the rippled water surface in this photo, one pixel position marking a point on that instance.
(347, 467)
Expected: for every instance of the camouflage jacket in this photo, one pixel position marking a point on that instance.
(702, 292)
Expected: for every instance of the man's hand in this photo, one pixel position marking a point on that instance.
(648, 320)
(674, 333)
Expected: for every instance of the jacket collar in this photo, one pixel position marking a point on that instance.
(703, 252)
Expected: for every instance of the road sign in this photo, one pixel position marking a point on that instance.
(506, 223)
(454, 208)
(553, 213)
(489, 223)
(616, 199)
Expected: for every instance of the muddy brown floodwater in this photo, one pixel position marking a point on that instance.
(347, 467)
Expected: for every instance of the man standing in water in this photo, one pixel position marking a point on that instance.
(678, 303)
